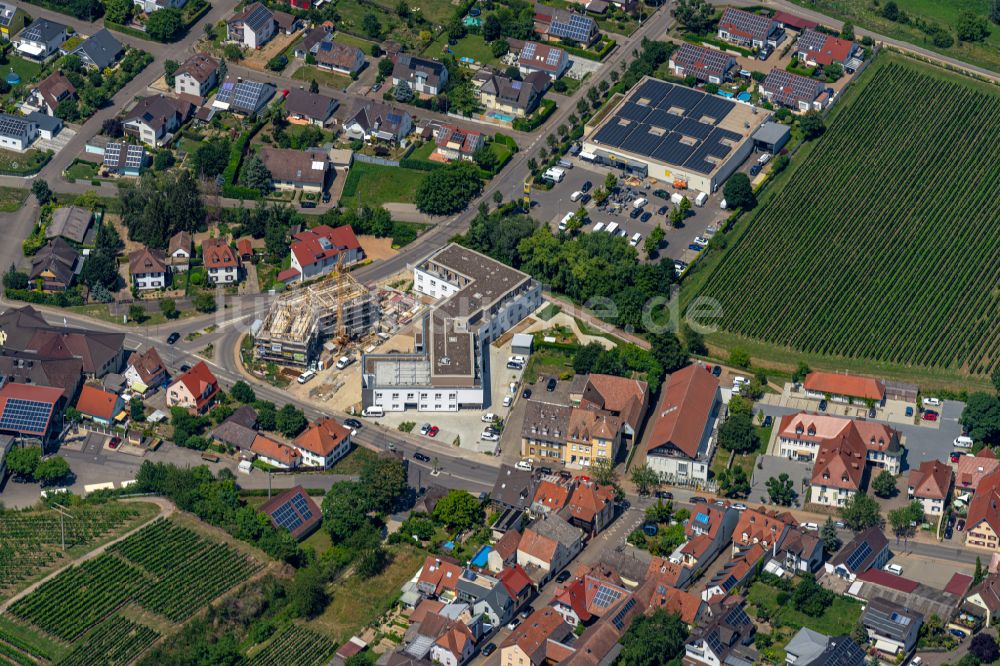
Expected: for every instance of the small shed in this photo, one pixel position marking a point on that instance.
(771, 137)
(521, 344)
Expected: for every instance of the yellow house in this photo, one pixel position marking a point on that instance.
(509, 97)
(982, 524)
(592, 435)
(11, 20)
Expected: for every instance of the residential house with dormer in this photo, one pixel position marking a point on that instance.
(194, 390)
(147, 269)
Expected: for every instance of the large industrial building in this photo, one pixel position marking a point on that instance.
(478, 300)
(673, 133)
(298, 321)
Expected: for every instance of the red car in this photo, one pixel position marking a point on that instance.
(955, 456)
(115, 441)
(930, 416)
(433, 431)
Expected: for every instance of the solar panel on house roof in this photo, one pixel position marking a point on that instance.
(299, 503)
(258, 16)
(12, 125)
(702, 518)
(529, 50)
(855, 560)
(553, 57)
(28, 416)
(619, 619)
(133, 157)
(113, 155)
(577, 28)
(606, 596)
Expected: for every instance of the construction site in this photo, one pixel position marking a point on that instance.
(338, 310)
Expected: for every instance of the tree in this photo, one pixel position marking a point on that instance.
(693, 340)
(861, 512)
(383, 479)
(459, 510)
(52, 470)
(972, 27)
(165, 25)
(449, 189)
(204, 302)
(161, 204)
(278, 63)
(486, 159)
(210, 158)
(313, 86)
(734, 482)
(100, 270)
(255, 175)
(645, 479)
(163, 160)
(847, 31)
(981, 417)
(14, 279)
(371, 26)
(384, 68)
(800, 373)
(118, 11)
(995, 377)
(23, 461)
(492, 29)
(307, 592)
(603, 472)
(169, 308)
(499, 48)
(610, 182)
(984, 648)
(137, 313)
(169, 69)
(40, 188)
(241, 392)
(659, 512)
(695, 15)
(653, 241)
(342, 510)
(781, 490)
(830, 538)
(667, 350)
(884, 485)
(980, 573)
(891, 11)
(653, 640)
(737, 434)
(994, 11)
(812, 125)
(290, 420)
(739, 193)
(810, 597)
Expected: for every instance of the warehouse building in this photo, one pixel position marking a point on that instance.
(674, 134)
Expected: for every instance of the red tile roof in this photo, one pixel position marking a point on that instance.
(840, 463)
(269, 448)
(572, 595)
(589, 499)
(201, 383)
(931, 480)
(849, 385)
(793, 21)
(761, 526)
(684, 411)
(989, 591)
(216, 254)
(886, 579)
(538, 546)
(506, 546)
(535, 631)
(456, 639)
(820, 428)
(441, 572)
(148, 365)
(515, 579)
(972, 469)
(97, 402)
(309, 246)
(244, 247)
(985, 505)
(958, 584)
(551, 495)
(665, 571)
(625, 397)
(679, 602)
(322, 437)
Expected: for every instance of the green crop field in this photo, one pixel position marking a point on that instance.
(166, 569)
(295, 645)
(883, 245)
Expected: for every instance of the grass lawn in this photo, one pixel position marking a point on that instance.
(26, 68)
(548, 362)
(30, 161)
(353, 461)
(351, 40)
(549, 311)
(839, 618)
(82, 171)
(435, 11)
(423, 152)
(374, 185)
(308, 73)
(502, 152)
(357, 602)
(11, 199)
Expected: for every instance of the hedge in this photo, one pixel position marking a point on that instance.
(506, 140)
(57, 299)
(532, 122)
(588, 54)
(240, 192)
(419, 165)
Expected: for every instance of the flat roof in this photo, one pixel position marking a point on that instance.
(486, 280)
(677, 125)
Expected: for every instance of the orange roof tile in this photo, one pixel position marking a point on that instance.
(551, 495)
(761, 526)
(537, 546)
(840, 463)
(322, 437)
(679, 602)
(201, 383)
(849, 385)
(97, 402)
(216, 254)
(625, 397)
(931, 480)
(269, 448)
(684, 410)
(441, 572)
(589, 499)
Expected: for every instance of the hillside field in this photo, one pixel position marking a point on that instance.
(883, 245)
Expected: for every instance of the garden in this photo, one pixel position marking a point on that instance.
(374, 184)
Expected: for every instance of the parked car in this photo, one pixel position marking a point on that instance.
(376, 87)
(933, 402)
(353, 423)
(958, 633)
(739, 506)
(488, 436)
(564, 475)
(696, 248)
(948, 532)
(960, 525)
(586, 186)
(545, 470)
(645, 217)
(768, 420)
(822, 405)
(433, 432)
(173, 337)
(425, 428)
(508, 400)
(526, 393)
(635, 214)
(550, 385)
(930, 415)
(663, 194)
(528, 610)
(699, 240)
(512, 625)
(717, 370)
(488, 417)
(185, 367)
(698, 500)
(871, 413)
(909, 411)
(664, 495)
(955, 456)
(563, 576)
(662, 210)
(489, 649)
(417, 455)
(326, 197)
(755, 169)
(115, 442)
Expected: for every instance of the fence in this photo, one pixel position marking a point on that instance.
(376, 160)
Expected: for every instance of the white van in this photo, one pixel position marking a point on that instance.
(962, 442)
(895, 569)
(343, 362)
(563, 223)
(635, 239)
(576, 196)
(738, 380)
(554, 174)
(373, 412)
(599, 226)
(639, 203)
(812, 527)
(676, 198)
(764, 159)
(524, 465)
(932, 402)
(305, 376)
(611, 228)
(700, 199)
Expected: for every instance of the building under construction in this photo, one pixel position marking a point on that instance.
(339, 307)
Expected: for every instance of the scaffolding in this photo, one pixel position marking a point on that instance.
(339, 307)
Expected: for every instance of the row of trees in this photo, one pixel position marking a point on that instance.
(27, 465)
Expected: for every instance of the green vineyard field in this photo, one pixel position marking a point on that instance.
(295, 646)
(115, 642)
(884, 244)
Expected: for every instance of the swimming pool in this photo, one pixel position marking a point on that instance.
(743, 96)
(482, 557)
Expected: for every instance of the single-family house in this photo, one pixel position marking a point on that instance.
(514, 488)
(487, 596)
(196, 76)
(983, 600)
(734, 573)
(591, 507)
(800, 551)
(40, 39)
(680, 440)
(626, 398)
(219, 259)
(378, 121)
(312, 40)
(502, 94)
(323, 443)
(275, 453)
(811, 648)
(46, 96)
(454, 647)
(708, 531)
(590, 594)
(70, 222)
(867, 550)
(48, 126)
(557, 24)
(930, 484)
(99, 51)
(194, 390)
(705, 64)
(238, 430)
(591, 435)
(668, 573)
(295, 169)
(285, 23)
(801, 435)
(150, 6)
(317, 252)
(726, 639)
(439, 577)
(760, 526)
(892, 628)
(799, 93)
(98, 405)
(504, 552)
(818, 48)
(253, 27)
(982, 522)
(423, 76)
(549, 497)
(307, 108)
(548, 545)
(154, 119)
(973, 469)
(337, 57)
(839, 472)
(125, 159)
(147, 268)
(691, 608)
(243, 96)
(544, 58)
(17, 132)
(12, 20)
(55, 265)
(179, 251)
(293, 510)
(843, 388)
(542, 638)
(145, 371)
(744, 28)
(47, 404)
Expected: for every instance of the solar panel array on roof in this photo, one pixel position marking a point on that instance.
(293, 513)
(529, 50)
(606, 596)
(694, 58)
(258, 17)
(12, 125)
(113, 155)
(619, 619)
(27, 416)
(672, 124)
(746, 23)
(577, 27)
(855, 560)
(133, 157)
